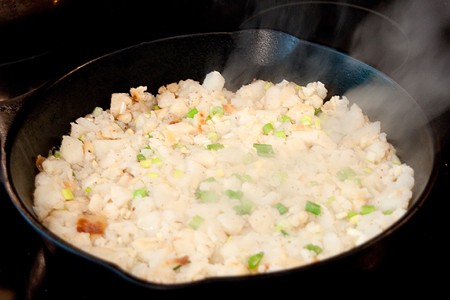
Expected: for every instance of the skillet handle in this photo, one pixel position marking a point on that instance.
(8, 111)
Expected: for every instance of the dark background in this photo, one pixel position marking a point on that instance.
(41, 47)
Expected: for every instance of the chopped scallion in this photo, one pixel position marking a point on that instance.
(312, 207)
(351, 214)
(317, 123)
(213, 136)
(396, 161)
(67, 194)
(140, 157)
(281, 208)
(285, 118)
(243, 177)
(306, 120)
(196, 222)
(278, 178)
(244, 208)
(178, 173)
(267, 128)
(192, 112)
(314, 248)
(176, 268)
(156, 160)
(280, 133)
(254, 260)
(264, 150)
(330, 200)
(217, 110)
(367, 170)
(146, 163)
(367, 209)
(281, 229)
(153, 175)
(97, 111)
(317, 110)
(206, 196)
(234, 194)
(215, 146)
(346, 173)
(141, 192)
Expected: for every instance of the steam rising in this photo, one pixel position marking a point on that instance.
(423, 53)
(409, 40)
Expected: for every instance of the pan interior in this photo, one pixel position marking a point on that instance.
(241, 57)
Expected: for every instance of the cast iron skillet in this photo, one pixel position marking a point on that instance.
(241, 57)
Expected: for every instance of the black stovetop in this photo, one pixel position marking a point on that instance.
(29, 271)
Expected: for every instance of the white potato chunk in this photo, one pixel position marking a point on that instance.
(214, 81)
(72, 150)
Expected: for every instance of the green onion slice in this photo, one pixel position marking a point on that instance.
(317, 111)
(312, 207)
(217, 110)
(345, 173)
(281, 229)
(243, 177)
(285, 119)
(67, 194)
(281, 208)
(264, 150)
(196, 222)
(267, 128)
(146, 163)
(306, 120)
(192, 112)
(142, 192)
(234, 194)
(97, 111)
(177, 267)
(206, 196)
(213, 136)
(280, 133)
(351, 214)
(254, 260)
(367, 209)
(215, 146)
(244, 208)
(314, 248)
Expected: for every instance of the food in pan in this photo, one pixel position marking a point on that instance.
(198, 181)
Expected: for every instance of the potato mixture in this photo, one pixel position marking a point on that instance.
(198, 181)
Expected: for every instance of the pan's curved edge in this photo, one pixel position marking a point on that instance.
(40, 228)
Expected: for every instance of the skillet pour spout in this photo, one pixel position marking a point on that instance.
(240, 56)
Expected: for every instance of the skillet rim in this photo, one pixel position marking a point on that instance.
(55, 240)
